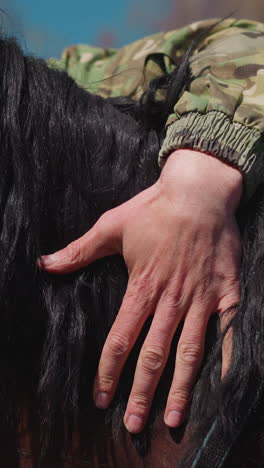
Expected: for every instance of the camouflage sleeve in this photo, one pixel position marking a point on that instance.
(222, 112)
(127, 71)
(117, 72)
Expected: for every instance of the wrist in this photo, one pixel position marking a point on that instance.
(212, 175)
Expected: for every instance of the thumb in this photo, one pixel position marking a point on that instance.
(103, 239)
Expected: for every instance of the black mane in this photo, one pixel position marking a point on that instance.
(66, 158)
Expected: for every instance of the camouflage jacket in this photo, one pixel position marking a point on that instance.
(221, 113)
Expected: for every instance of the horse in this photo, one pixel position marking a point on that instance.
(67, 157)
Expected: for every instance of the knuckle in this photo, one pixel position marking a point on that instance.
(175, 298)
(145, 292)
(74, 252)
(152, 359)
(140, 401)
(118, 344)
(106, 383)
(180, 397)
(228, 300)
(203, 294)
(106, 217)
(189, 353)
(144, 284)
(103, 224)
(106, 220)
(142, 291)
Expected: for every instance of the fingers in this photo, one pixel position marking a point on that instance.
(189, 356)
(227, 311)
(190, 352)
(153, 358)
(227, 352)
(136, 307)
(151, 362)
(101, 240)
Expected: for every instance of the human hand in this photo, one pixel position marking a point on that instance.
(181, 245)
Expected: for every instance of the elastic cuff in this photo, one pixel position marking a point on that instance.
(214, 133)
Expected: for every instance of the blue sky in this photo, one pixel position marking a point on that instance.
(45, 27)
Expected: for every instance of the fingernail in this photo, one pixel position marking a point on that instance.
(102, 400)
(48, 260)
(134, 423)
(174, 418)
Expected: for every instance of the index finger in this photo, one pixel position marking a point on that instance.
(135, 309)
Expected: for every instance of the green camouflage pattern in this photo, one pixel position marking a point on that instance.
(127, 71)
(228, 71)
(221, 113)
